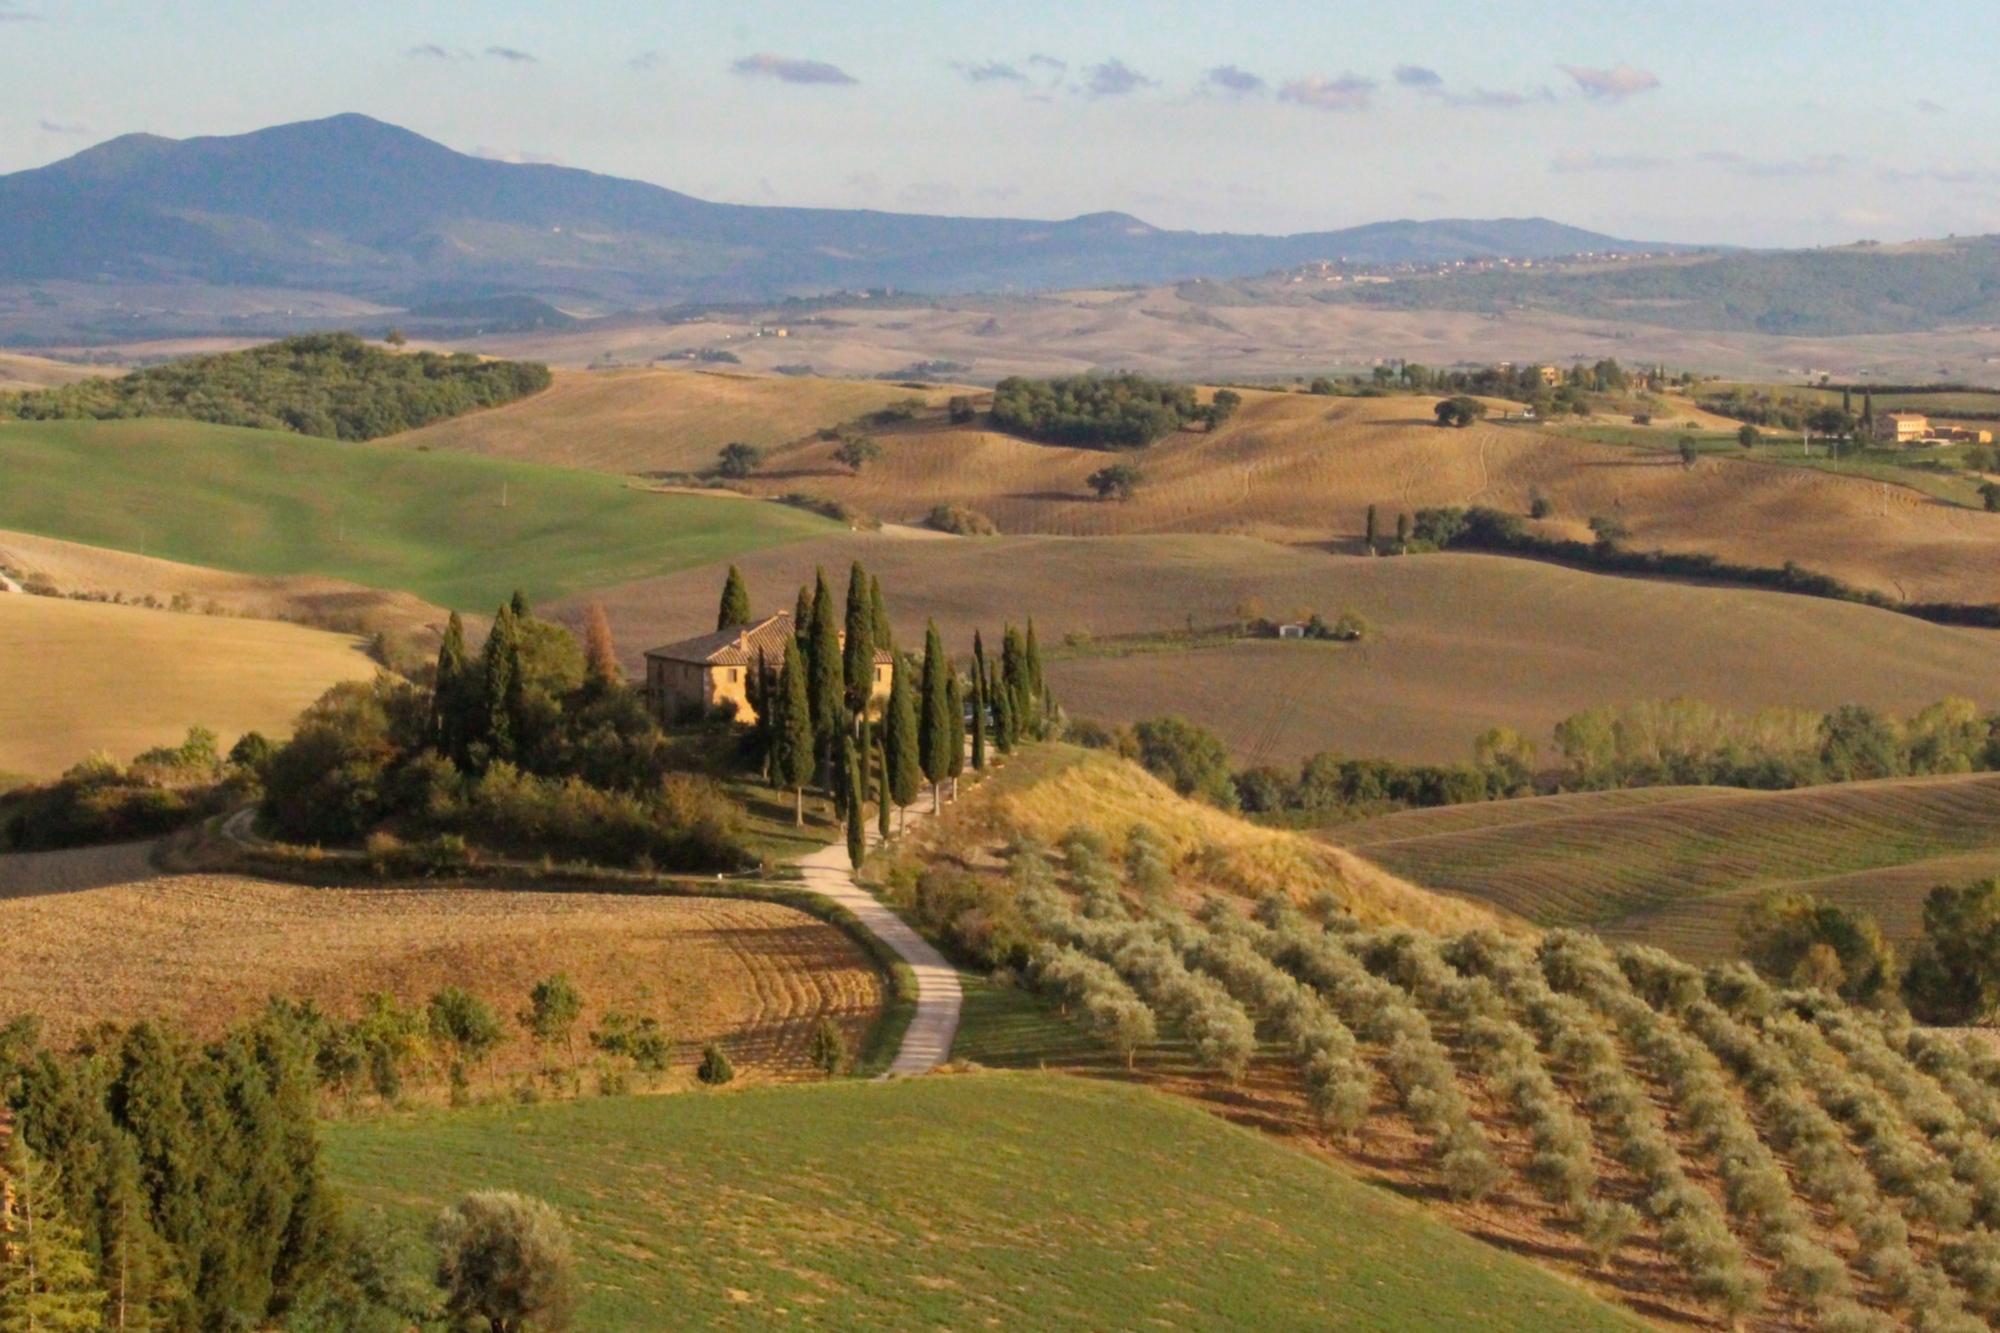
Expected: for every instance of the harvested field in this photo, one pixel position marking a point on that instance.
(37, 874)
(1462, 642)
(89, 676)
(36, 372)
(306, 599)
(205, 951)
(1681, 871)
(656, 420)
(1297, 468)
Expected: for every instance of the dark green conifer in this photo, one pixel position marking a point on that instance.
(899, 737)
(802, 614)
(795, 754)
(448, 721)
(882, 801)
(857, 819)
(519, 605)
(978, 717)
(500, 686)
(933, 718)
(878, 611)
(858, 647)
(954, 696)
(735, 607)
(826, 681)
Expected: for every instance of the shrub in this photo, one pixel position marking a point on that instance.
(738, 460)
(714, 1069)
(1460, 412)
(507, 1261)
(1190, 759)
(961, 521)
(828, 1052)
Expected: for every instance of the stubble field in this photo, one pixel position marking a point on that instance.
(88, 676)
(205, 951)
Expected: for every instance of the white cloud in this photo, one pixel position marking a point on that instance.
(1611, 85)
(1349, 92)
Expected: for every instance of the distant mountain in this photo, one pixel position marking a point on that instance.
(1850, 289)
(354, 206)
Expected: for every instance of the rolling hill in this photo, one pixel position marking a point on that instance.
(1677, 867)
(1462, 642)
(1034, 1202)
(352, 205)
(89, 676)
(459, 531)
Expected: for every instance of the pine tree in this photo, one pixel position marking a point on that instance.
(859, 647)
(978, 717)
(600, 654)
(47, 1284)
(878, 611)
(795, 757)
(826, 682)
(899, 737)
(857, 819)
(735, 607)
(933, 718)
(448, 694)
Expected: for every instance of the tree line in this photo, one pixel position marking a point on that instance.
(818, 724)
(332, 385)
(1124, 411)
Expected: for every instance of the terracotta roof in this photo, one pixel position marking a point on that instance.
(740, 646)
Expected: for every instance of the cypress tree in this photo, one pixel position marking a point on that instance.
(882, 784)
(899, 738)
(978, 718)
(795, 757)
(1014, 682)
(448, 721)
(954, 710)
(601, 671)
(1003, 715)
(844, 793)
(499, 686)
(519, 605)
(735, 607)
(148, 1102)
(865, 751)
(1402, 532)
(933, 719)
(857, 821)
(858, 649)
(825, 679)
(878, 611)
(46, 1277)
(1033, 661)
(1374, 530)
(802, 613)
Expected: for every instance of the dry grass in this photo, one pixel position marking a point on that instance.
(1052, 789)
(88, 676)
(1463, 642)
(35, 372)
(305, 598)
(1679, 872)
(655, 420)
(1296, 468)
(205, 951)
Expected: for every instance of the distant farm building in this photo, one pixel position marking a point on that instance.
(1916, 428)
(714, 671)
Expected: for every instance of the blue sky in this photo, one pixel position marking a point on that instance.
(1747, 122)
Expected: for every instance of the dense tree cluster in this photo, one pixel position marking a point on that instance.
(327, 384)
(102, 801)
(1104, 411)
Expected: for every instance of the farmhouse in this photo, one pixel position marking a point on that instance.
(714, 670)
(1901, 427)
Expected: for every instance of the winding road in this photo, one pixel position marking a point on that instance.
(927, 1044)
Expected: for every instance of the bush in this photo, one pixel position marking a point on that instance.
(98, 802)
(506, 1261)
(961, 521)
(1797, 940)
(715, 1069)
(1119, 481)
(1190, 759)
(1460, 412)
(738, 460)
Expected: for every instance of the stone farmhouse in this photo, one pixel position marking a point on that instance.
(714, 671)
(1916, 428)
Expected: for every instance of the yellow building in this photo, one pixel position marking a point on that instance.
(1901, 427)
(714, 671)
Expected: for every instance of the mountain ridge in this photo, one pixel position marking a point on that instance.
(354, 205)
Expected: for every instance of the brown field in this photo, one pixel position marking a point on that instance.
(656, 420)
(37, 372)
(307, 599)
(1677, 867)
(1222, 335)
(205, 951)
(1295, 468)
(1463, 642)
(88, 676)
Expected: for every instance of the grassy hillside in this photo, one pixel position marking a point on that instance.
(1297, 468)
(1030, 1202)
(657, 420)
(86, 676)
(462, 532)
(1462, 642)
(1651, 869)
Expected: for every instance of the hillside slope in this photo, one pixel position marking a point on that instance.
(1462, 642)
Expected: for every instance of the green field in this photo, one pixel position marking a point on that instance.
(997, 1200)
(1677, 866)
(458, 530)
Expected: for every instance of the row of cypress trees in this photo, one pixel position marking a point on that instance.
(817, 724)
(178, 1187)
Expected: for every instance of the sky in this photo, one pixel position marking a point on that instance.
(1745, 122)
